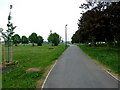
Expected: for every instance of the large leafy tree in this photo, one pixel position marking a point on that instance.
(24, 40)
(75, 38)
(89, 25)
(100, 22)
(54, 38)
(40, 40)
(33, 38)
(16, 39)
(113, 13)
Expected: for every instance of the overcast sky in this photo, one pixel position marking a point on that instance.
(41, 16)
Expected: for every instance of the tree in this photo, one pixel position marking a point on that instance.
(24, 40)
(16, 39)
(54, 38)
(40, 40)
(7, 36)
(75, 38)
(112, 12)
(33, 38)
(100, 23)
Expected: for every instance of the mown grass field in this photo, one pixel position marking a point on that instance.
(108, 56)
(26, 57)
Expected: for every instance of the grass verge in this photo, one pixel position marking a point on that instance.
(108, 56)
(25, 57)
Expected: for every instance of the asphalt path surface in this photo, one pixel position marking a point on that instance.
(74, 69)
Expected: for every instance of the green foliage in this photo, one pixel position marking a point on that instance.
(24, 40)
(106, 56)
(28, 57)
(33, 38)
(75, 37)
(40, 40)
(100, 23)
(7, 36)
(16, 39)
(54, 38)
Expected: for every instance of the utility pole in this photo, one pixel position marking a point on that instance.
(50, 34)
(66, 35)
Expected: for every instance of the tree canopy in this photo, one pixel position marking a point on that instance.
(54, 38)
(33, 38)
(75, 37)
(101, 23)
(40, 40)
(16, 39)
(7, 36)
(24, 40)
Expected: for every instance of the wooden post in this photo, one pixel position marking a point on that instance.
(4, 53)
(11, 54)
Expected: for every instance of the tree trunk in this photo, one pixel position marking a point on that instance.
(33, 44)
(39, 44)
(109, 44)
(15, 44)
(114, 41)
(8, 59)
(92, 43)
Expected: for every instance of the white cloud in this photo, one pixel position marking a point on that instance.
(41, 16)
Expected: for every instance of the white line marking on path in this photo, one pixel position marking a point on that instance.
(112, 75)
(48, 75)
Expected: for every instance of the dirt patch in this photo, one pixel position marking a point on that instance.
(2, 65)
(6, 66)
(35, 69)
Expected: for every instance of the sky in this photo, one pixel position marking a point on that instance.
(41, 16)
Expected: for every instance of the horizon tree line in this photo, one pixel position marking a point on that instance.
(53, 39)
(33, 38)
